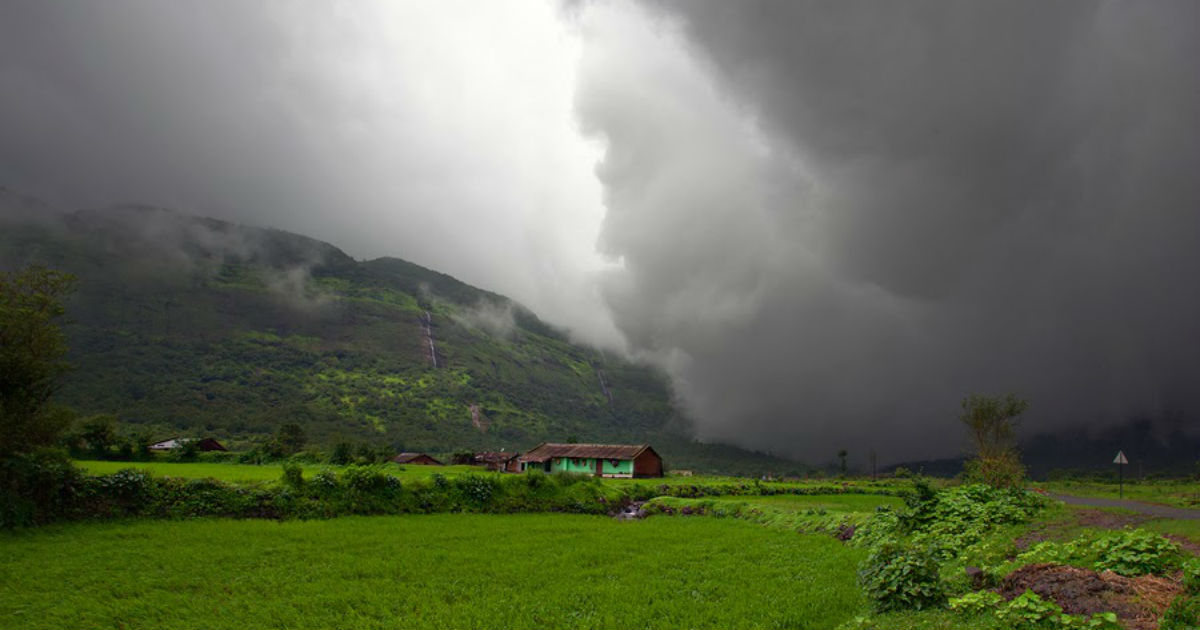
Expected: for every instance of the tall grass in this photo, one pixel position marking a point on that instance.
(439, 571)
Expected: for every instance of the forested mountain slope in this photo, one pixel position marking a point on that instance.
(190, 325)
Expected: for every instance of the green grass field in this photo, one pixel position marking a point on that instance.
(249, 472)
(441, 571)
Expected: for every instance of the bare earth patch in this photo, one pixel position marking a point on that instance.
(1085, 517)
(1138, 602)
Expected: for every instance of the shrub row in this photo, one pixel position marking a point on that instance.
(44, 489)
(910, 548)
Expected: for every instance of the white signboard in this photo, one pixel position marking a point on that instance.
(1120, 458)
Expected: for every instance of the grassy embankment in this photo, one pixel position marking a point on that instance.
(440, 571)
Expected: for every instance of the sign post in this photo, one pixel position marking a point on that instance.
(1120, 461)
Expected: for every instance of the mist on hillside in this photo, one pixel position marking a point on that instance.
(827, 222)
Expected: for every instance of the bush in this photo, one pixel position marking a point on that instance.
(1191, 576)
(1003, 471)
(342, 454)
(1183, 613)
(477, 489)
(187, 451)
(1134, 552)
(1130, 552)
(1029, 610)
(899, 577)
(217, 457)
(973, 604)
(293, 476)
(535, 478)
(36, 487)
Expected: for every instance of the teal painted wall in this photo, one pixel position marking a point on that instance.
(577, 465)
(588, 466)
(623, 467)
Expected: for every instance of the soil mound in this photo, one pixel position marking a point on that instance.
(1138, 602)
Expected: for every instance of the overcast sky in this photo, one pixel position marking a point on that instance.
(829, 220)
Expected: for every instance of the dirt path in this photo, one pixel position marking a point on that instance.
(1149, 509)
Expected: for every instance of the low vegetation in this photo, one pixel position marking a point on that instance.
(441, 571)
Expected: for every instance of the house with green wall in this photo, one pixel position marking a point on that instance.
(603, 460)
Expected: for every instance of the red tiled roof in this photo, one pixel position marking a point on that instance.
(543, 452)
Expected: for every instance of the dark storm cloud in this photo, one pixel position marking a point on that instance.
(839, 218)
(438, 132)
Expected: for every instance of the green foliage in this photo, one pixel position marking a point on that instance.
(32, 347)
(185, 451)
(992, 422)
(291, 438)
(1191, 575)
(1129, 552)
(342, 454)
(1002, 471)
(897, 577)
(36, 487)
(1135, 552)
(912, 550)
(1029, 610)
(293, 476)
(437, 571)
(1182, 614)
(477, 489)
(976, 603)
(99, 435)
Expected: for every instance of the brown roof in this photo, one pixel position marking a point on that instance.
(404, 458)
(544, 451)
(495, 456)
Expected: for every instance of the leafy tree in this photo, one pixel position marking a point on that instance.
(99, 433)
(186, 451)
(291, 438)
(992, 424)
(842, 460)
(32, 347)
(342, 453)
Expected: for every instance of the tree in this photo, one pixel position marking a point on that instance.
(992, 423)
(291, 438)
(32, 347)
(842, 460)
(100, 434)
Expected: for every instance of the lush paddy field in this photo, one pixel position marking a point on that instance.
(252, 472)
(439, 571)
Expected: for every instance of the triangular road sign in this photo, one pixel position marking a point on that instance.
(1120, 458)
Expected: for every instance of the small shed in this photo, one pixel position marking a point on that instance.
(416, 459)
(601, 460)
(204, 444)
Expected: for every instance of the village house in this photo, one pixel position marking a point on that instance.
(416, 459)
(206, 444)
(496, 460)
(604, 460)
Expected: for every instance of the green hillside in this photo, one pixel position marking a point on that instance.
(183, 325)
